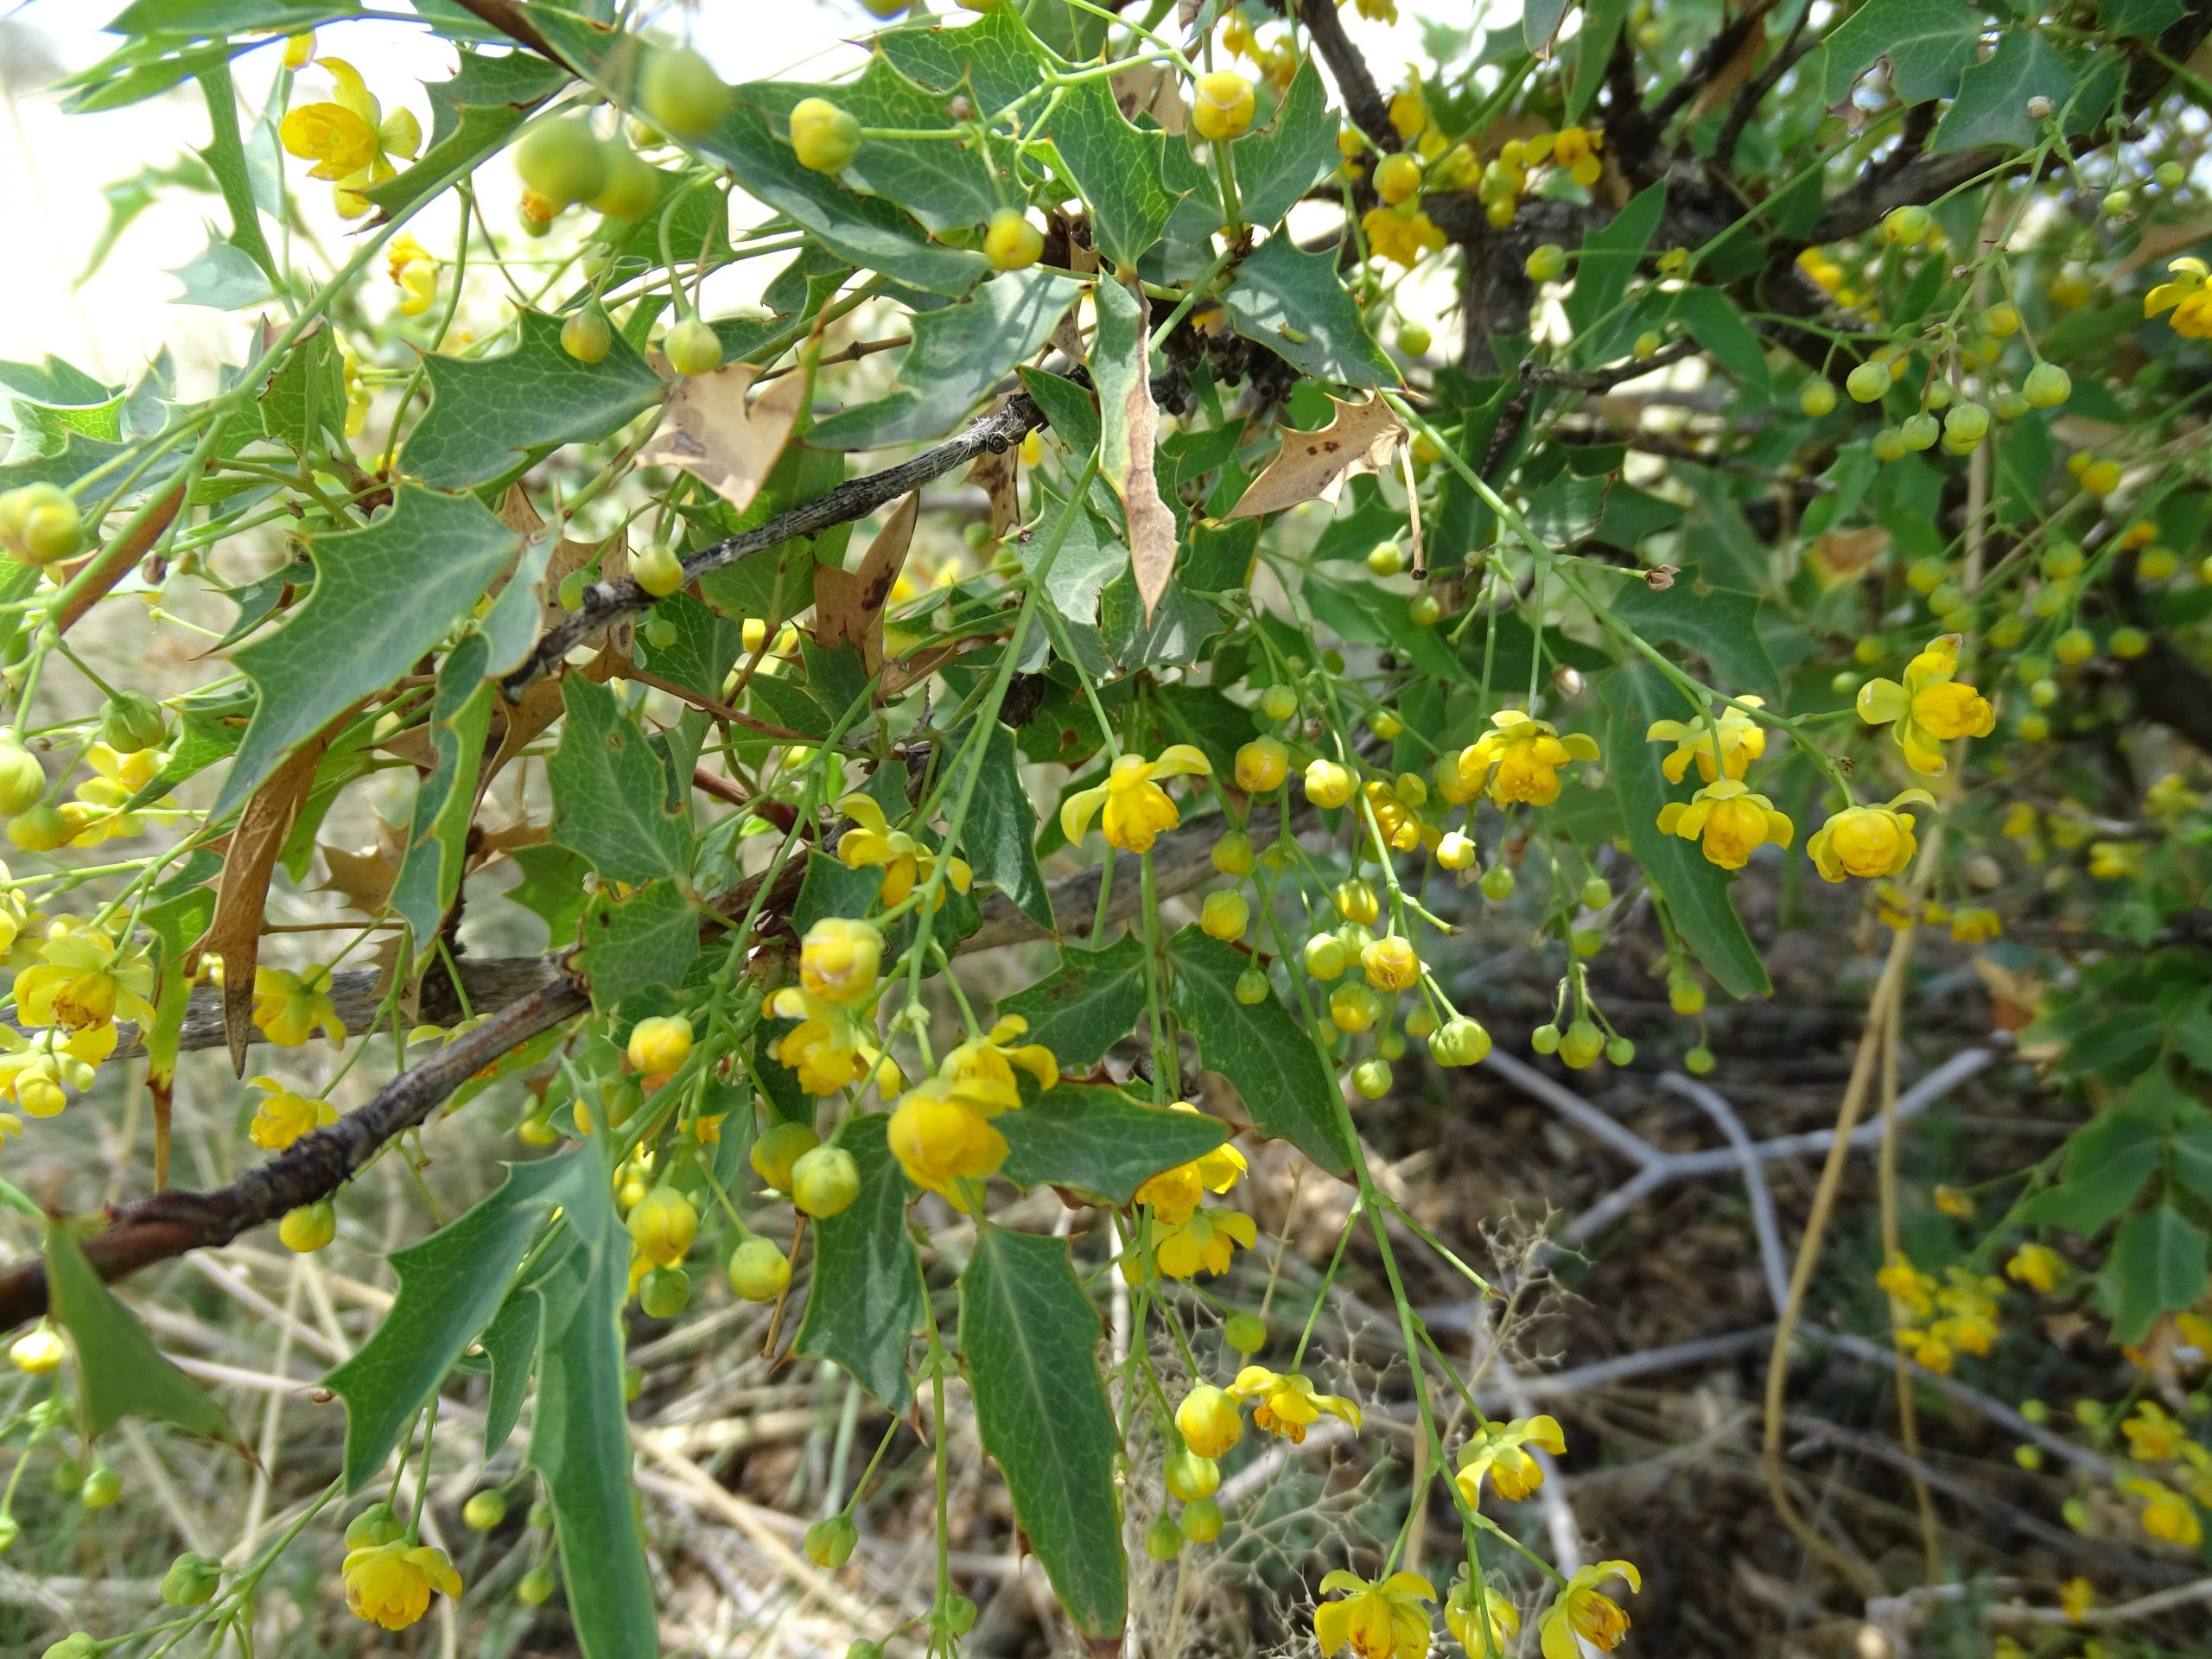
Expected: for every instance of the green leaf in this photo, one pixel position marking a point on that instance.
(960, 352)
(1610, 255)
(610, 791)
(1288, 1092)
(861, 230)
(2157, 1262)
(1098, 1140)
(478, 133)
(1030, 1338)
(1695, 892)
(510, 1342)
(128, 198)
(650, 938)
(1177, 633)
(383, 596)
(437, 839)
(832, 887)
(1992, 107)
(1605, 508)
(1070, 409)
(222, 278)
(119, 1371)
(305, 400)
(865, 1303)
(552, 889)
(1089, 557)
(942, 183)
(1000, 832)
(485, 414)
(450, 1287)
(995, 57)
(1374, 616)
(1120, 170)
(2145, 20)
(1721, 625)
(2190, 1149)
(579, 1431)
(1716, 325)
(1539, 22)
(1293, 304)
(699, 659)
(1279, 162)
(1087, 1004)
(1928, 42)
(1594, 46)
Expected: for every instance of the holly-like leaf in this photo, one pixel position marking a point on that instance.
(222, 278)
(437, 840)
(305, 400)
(1089, 558)
(2158, 1263)
(1279, 162)
(1087, 1004)
(119, 1371)
(487, 413)
(1721, 625)
(865, 1302)
(1696, 891)
(1360, 437)
(1030, 1338)
(1288, 1092)
(2145, 20)
(450, 1287)
(650, 938)
(510, 1342)
(999, 834)
(1120, 170)
(699, 658)
(383, 596)
(1992, 107)
(1293, 304)
(1070, 410)
(1928, 42)
(996, 56)
(1610, 255)
(610, 791)
(1716, 325)
(1098, 1140)
(1129, 438)
(709, 430)
(959, 352)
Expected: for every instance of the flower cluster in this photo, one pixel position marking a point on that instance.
(1938, 1319)
(941, 1130)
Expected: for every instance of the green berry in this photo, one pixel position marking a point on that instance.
(1245, 1333)
(484, 1511)
(1816, 399)
(562, 160)
(693, 348)
(1868, 382)
(2046, 385)
(587, 335)
(680, 92)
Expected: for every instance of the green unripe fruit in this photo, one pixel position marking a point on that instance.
(67, 1477)
(1868, 382)
(2158, 563)
(1461, 1041)
(1966, 423)
(587, 335)
(659, 632)
(75, 1645)
(862, 1647)
(1324, 957)
(1497, 883)
(1619, 1051)
(1816, 399)
(2170, 175)
(1201, 1521)
(2061, 560)
(1390, 1045)
(1224, 916)
(1163, 1539)
(1948, 597)
(657, 570)
(632, 185)
(1889, 445)
(680, 92)
(2129, 643)
(1012, 243)
(2073, 646)
(1279, 702)
(1919, 431)
(540, 1516)
(664, 1293)
(1581, 1044)
(2031, 667)
(2008, 630)
(1905, 226)
(1545, 263)
(2043, 693)
(1698, 1061)
(758, 1271)
(537, 1586)
(1191, 1476)
(131, 722)
(23, 781)
(101, 1488)
(959, 1614)
(776, 1153)
(2011, 405)
(830, 1542)
(192, 1581)
(1414, 338)
(1545, 1038)
(562, 160)
(2116, 204)
(824, 137)
(1925, 575)
(10, 1530)
(1386, 558)
(39, 524)
(2046, 385)
(1371, 1079)
(693, 348)
(1245, 1333)
(484, 1511)
(1596, 893)
(1937, 396)
(825, 1181)
(1251, 988)
(1425, 612)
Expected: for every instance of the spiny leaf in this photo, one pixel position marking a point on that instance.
(1120, 369)
(1087, 1004)
(865, 1302)
(610, 792)
(707, 430)
(1099, 1141)
(119, 1371)
(1313, 466)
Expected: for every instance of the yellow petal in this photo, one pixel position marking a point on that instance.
(1181, 760)
(1077, 810)
(865, 811)
(1881, 701)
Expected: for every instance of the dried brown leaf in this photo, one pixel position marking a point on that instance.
(234, 934)
(1840, 555)
(849, 604)
(1741, 62)
(1313, 466)
(707, 430)
(364, 879)
(1151, 89)
(999, 473)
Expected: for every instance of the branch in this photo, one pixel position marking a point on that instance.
(507, 16)
(1536, 374)
(1363, 100)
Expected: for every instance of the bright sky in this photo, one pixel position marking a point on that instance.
(55, 165)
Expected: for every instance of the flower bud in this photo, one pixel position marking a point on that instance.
(1209, 1422)
(1013, 242)
(759, 1272)
(373, 1527)
(660, 1044)
(131, 721)
(693, 348)
(656, 570)
(839, 959)
(824, 1181)
(775, 1153)
(1324, 957)
(1245, 1333)
(1189, 1476)
(680, 93)
(1327, 784)
(1232, 854)
(1201, 1521)
(664, 1293)
(587, 335)
(1263, 764)
(484, 1511)
(309, 1228)
(1459, 1041)
(663, 1225)
(1224, 916)
(824, 137)
(37, 1352)
(192, 1581)
(830, 1542)
(1163, 1539)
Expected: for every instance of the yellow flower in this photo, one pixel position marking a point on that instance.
(2185, 295)
(1521, 759)
(941, 1135)
(1500, 1452)
(1175, 1193)
(2115, 861)
(2037, 1266)
(1973, 924)
(1465, 1618)
(2076, 1597)
(1743, 741)
(284, 1117)
(829, 1049)
(1136, 808)
(390, 1583)
(1868, 840)
(1409, 111)
(1203, 1239)
(839, 958)
(904, 860)
(2170, 795)
(289, 1007)
(1931, 708)
(2152, 1436)
(1384, 1620)
(1912, 1290)
(1395, 810)
(1733, 821)
(1576, 149)
(2166, 1514)
(1583, 1610)
(350, 140)
(84, 979)
(1404, 234)
(1287, 1405)
(984, 1066)
(34, 1070)
(119, 778)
